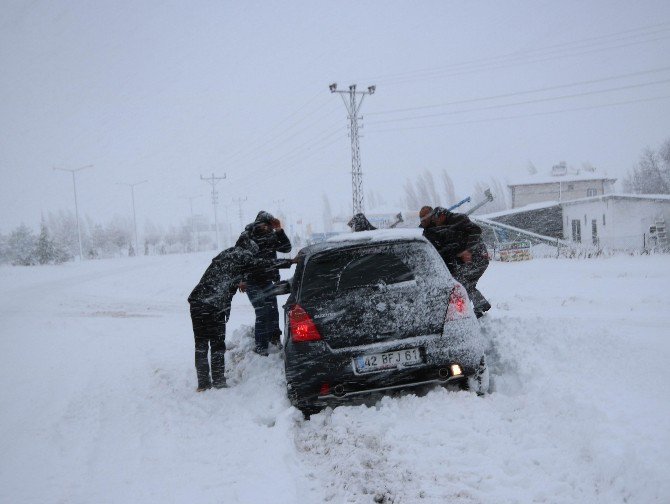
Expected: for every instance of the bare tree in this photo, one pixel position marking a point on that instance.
(411, 199)
(327, 215)
(650, 175)
(500, 199)
(449, 189)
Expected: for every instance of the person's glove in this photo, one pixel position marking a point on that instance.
(225, 313)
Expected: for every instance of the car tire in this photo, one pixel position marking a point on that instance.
(307, 409)
(479, 382)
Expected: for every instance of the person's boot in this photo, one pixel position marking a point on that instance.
(275, 339)
(481, 309)
(219, 384)
(203, 387)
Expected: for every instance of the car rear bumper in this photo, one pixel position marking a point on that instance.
(342, 394)
(319, 375)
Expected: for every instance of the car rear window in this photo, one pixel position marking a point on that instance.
(341, 270)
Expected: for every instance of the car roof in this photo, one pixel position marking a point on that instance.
(379, 236)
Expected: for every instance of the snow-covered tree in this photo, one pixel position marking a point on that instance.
(4, 249)
(45, 250)
(21, 246)
(63, 230)
(651, 174)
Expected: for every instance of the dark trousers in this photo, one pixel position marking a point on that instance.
(468, 274)
(267, 314)
(209, 330)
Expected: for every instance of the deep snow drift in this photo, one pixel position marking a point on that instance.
(98, 403)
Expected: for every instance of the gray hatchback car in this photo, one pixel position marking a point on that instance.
(374, 312)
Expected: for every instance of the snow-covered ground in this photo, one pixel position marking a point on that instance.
(98, 401)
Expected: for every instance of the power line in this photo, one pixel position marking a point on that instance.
(275, 170)
(516, 58)
(519, 116)
(517, 93)
(266, 138)
(526, 102)
(259, 173)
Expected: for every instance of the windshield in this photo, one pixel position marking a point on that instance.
(337, 271)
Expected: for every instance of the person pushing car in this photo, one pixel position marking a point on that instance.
(267, 233)
(210, 303)
(458, 241)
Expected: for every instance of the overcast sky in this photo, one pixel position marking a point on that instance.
(167, 91)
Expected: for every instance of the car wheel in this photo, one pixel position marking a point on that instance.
(480, 381)
(307, 409)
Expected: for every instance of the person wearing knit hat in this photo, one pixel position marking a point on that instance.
(266, 232)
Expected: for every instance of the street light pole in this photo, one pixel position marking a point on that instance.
(193, 229)
(76, 206)
(132, 195)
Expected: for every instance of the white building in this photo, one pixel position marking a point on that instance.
(559, 186)
(618, 221)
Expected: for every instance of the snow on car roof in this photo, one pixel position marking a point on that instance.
(379, 235)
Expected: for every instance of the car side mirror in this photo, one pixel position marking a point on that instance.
(280, 288)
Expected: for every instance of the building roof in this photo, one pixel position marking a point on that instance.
(554, 179)
(526, 208)
(647, 197)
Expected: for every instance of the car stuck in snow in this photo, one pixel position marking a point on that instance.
(374, 312)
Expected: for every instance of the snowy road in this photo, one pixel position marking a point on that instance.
(98, 402)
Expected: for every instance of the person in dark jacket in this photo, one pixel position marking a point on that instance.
(360, 222)
(458, 241)
(210, 306)
(266, 232)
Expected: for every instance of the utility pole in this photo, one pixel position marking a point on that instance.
(76, 207)
(239, 202)
(194, 231)
(132, 196)
(353, 106)
(213, 180)
(278, 204)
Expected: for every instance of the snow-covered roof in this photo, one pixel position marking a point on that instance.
(525, 208)
(554, 179)
(648, 197)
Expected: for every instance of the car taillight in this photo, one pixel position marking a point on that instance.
(458, 304)
(302, 326)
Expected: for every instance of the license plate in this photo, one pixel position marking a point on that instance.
(389, 360)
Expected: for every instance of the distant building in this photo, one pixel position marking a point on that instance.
(618, 221)
(612, 221)
(559, 186)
